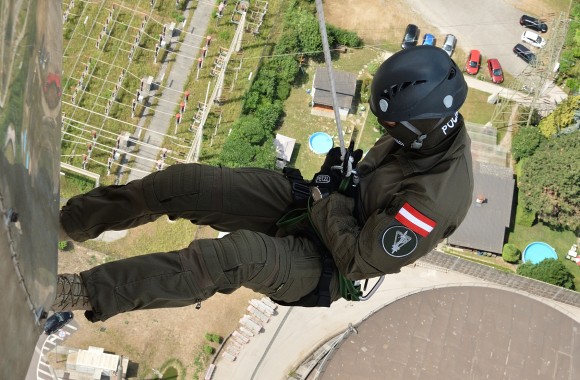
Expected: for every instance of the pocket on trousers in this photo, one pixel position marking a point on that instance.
(171, 290)
(283, 290)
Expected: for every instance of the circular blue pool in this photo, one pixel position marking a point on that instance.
(320, 142)
(538, 251)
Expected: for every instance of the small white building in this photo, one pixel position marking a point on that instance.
(284, 147)
(97, 364)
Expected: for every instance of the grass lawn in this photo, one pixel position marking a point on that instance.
(298, 123)
(476, 109)
(159, 236)
(561, 241)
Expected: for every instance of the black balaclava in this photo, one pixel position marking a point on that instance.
(424, 134)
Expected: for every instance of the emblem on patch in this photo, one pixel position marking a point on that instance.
(399, 241)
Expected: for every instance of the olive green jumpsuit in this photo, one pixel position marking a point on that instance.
(406, 202)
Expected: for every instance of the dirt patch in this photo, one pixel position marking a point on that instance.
(374, 21)
(151, 337)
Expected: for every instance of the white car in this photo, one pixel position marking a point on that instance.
(533, 39)
(449, 44)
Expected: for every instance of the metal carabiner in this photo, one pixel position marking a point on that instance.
(373, 289)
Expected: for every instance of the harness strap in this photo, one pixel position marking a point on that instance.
(298, 220)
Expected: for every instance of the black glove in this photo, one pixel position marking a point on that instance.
(335, 168)
(346, 163)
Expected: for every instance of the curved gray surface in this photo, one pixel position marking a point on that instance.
(30, 68)
(464, 332)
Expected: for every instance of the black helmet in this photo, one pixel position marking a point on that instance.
(420, 82)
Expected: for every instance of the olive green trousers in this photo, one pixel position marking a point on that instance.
(246, 202)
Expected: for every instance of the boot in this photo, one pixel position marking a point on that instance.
(71, 293)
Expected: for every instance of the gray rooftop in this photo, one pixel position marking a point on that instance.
(485, 225)
(345, 86)
(461, 332)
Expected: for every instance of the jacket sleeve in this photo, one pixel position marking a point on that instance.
(385, 243)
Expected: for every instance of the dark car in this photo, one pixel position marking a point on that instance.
(411, 36)
(533, 23)
(56, 321)
(495, 70)
(525, 54)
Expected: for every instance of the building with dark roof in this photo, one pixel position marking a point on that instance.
(345, 86)
(488, 218)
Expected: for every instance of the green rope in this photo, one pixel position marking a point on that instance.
(348, 290)
(292, 221)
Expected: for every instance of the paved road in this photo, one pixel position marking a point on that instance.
(39, 369)
(195, 33)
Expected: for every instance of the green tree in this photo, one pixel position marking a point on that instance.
(562, 117)
(510, 253)
(289, 42)
(269, 116)
(569, 71)
(550, 182)
(525, 142)
(551, 271)
(344, 37)
(237, 153)
(304, 20)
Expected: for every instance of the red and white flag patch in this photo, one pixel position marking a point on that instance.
(414, 220)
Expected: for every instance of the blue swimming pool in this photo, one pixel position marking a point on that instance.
(538, 251)
(320, 142)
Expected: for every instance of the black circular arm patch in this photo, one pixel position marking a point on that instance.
(399, 241)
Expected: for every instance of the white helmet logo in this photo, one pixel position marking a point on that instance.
(448, 101)
(383, 105)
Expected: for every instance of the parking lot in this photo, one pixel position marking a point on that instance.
(491, 27)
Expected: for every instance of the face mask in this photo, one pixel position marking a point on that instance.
(410, 135)
(402, 135)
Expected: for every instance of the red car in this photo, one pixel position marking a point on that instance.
(473, 62)
(495, 70)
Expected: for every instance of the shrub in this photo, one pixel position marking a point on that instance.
(510, 253)
(208, 349)
(365, 89)
(344, 37)
(524, 217)
(213, 338)
(525, 142)
(372, 68)
(549, 270)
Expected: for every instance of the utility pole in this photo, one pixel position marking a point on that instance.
(530, 87)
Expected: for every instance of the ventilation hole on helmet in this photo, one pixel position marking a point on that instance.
(405, 85)
(421, 81)
(452, 73)
(393, 90)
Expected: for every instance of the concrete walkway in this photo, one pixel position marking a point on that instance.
(167, 106)
(164, 111)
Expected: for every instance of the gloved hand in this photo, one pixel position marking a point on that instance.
(335, 168)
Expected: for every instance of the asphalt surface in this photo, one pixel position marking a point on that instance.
(490, 26)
